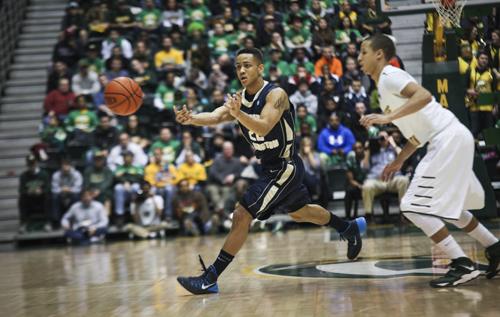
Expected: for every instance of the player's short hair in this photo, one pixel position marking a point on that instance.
(384, 43)
(257, 54)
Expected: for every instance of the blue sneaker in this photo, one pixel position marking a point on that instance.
(353, 236)
(206, 283)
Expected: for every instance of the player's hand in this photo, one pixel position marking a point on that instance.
(233, 103)
(183, 116)
(374, 118)
(391, 169)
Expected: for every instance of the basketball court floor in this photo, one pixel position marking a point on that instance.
(301, 272)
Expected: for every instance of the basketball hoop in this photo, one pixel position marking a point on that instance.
(449, 11)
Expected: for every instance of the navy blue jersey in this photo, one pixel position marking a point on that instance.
(278, 145)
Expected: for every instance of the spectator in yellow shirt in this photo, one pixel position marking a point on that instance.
(192, 171)
(162, 176)
(169, 58)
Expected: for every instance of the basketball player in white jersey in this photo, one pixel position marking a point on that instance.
(444, 186)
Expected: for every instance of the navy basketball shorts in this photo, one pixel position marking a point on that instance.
(279, 189)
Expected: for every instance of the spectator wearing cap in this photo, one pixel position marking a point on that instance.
(59, 101)
(115, 157)
(304, 96)
(298, 35)
(335, 141)
(328, 58)
(66, 186)
(115, 39)
(128, 178)
(98, 180)
(68, 49)
(95, 63)
(85, 82)
(191, 209)
(34, 194)
(85, 221)
(265, 32)
(74, 19)
(168, 58)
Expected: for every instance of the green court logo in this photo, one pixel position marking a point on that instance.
(364, 268)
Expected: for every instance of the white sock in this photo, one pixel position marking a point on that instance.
(483, 235)
(450, 246)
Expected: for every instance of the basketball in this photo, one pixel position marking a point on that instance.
(123, 96)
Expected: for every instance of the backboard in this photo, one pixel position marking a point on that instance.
(399, 7)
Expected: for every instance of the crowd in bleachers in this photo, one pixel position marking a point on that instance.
(146, 170)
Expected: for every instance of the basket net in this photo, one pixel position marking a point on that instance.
(449, 11)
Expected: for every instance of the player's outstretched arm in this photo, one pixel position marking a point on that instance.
(276, 104)
(186, 117)
(418, 97)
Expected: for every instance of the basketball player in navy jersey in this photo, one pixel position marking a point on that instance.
(266, 118)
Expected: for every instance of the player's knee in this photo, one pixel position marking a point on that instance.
(464, 220)
(241, 218)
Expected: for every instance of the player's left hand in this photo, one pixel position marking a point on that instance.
(391, 169)
(233, 103)
(374, 118)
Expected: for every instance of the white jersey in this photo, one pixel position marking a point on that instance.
(418, 127)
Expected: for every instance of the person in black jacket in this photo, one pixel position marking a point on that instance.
(34, 193)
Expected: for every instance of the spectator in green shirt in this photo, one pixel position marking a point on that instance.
(98, 179)
(150, 17)
(298, 35)
(53, 134)
(165, 93)
(304, 117)
(356, 175)
(221, 43)
(167, 144)
(277, 61)
(96, 64)
(127, 183)
(80, 123)
(197, 11)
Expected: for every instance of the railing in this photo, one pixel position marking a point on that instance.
(11, 16)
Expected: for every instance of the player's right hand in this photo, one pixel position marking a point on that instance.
(183, 116)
